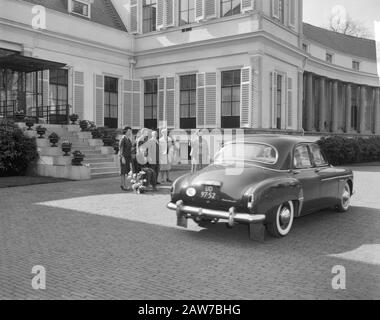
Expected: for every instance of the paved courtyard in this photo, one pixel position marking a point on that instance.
(96, 242)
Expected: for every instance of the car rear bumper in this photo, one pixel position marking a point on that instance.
(232, 216)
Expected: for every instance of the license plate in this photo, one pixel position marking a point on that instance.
(209, 193)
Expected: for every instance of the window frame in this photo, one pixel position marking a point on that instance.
(180, 11)
(326, 163)
(329, 54)
(109, 104)
(151, 94)
(57, 85)
(192, 79)
(85, 3)
(152, 17)
(356, 62)
(232, 9)
(309, 154)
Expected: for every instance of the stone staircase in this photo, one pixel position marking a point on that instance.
(99, 161)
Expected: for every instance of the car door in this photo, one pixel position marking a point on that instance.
(328, 182)
(304, 171)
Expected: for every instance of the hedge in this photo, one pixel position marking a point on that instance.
(345, 150)
(17, 151)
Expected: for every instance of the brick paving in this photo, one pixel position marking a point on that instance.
(98, 243)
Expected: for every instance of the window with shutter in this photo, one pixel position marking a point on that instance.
(274, 99)
(78, 97)
(169, 13)
(246, 97)
(137, 104)
(291, 106)
(292, 13)
(210, 99)
(231, 95)
(200, 100)
(161, 103)
(99, 99)
(135, 20)
(276, 9)
(199, 10)
(127, 103)
(170, 102)
(247, 5)
(210, 9)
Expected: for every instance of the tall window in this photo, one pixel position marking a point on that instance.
(281, 4)
(329, 57)
(150, 104)
(149, 15)
(355, 108)
(229, 7)
(58, 87)
(356, 65)
(278, 115)
(188, 91)
(231, 99)
(186, 12)
(110, 102)
(80, 8)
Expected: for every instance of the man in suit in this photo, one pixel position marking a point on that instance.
(125, 154)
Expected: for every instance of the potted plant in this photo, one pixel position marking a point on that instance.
(54, 138)
(19, 116)
(29, 123)
(74, 118)
(66, 147)
(84, 125)
(41, 131)
(108, 141)
(78, 158)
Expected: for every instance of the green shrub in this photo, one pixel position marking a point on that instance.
(343, 150)
(17, 151)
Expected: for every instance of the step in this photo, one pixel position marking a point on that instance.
(102, 165)
(99, 156)
(110, 169)
(98, 160)
(105, 175)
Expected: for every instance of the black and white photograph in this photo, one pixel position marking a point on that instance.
(189, 155)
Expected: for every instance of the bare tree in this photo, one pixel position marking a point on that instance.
(346, 25)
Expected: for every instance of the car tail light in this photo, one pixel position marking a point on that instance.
(250, 202)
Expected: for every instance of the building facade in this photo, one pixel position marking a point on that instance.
(188, 64)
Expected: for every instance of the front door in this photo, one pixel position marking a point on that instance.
(304, 171)
(111, 102)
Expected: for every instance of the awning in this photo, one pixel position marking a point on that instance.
(16, 62)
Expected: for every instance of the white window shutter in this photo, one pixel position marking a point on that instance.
(210, 100)
(78, 94)
(210, 9)
(291, 106)
(170, 102)
(45, 88)
(274, 100)
(246, 97)
(99, 99)
(137, 104)
(292, 13)
(169, 13)
(201, 100)
(160, 14)
(135, 17)
(161, 103)
(199, 10)
(127, 102)
(276, 9)
(247, 5)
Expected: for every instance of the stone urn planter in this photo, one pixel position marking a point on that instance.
(66, 148)
(29, 123)
(74, 118)
(78, 158)
(54, 138)
(41, 131)
(83, 125)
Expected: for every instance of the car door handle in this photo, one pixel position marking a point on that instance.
(296, 171)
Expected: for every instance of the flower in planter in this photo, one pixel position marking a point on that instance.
(78, 157)
(74, 118)
(19, 116)
(41, 131)
(29, 123)
(54, 138)
(66, 147)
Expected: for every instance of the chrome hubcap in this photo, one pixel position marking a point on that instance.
(285, 216)
(346, 197)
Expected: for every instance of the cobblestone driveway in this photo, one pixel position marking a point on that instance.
(97, 243)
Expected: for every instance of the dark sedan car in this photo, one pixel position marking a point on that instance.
(265, 182)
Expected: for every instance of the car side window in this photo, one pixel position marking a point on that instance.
(319, 159)
(301, 157)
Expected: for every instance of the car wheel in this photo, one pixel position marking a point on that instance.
(281, 220)
(345, 199)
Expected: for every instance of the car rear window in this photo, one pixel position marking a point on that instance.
(257, 152)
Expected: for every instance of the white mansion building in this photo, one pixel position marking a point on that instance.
(187, 64)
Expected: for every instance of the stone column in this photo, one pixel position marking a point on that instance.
(363, 108)
(322, 104)
(377, 111)
(348, 108)
(309, 103)
(334, 113)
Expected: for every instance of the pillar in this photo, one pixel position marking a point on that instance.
(348, 108)
(309, 103)
(335, 106)
(377, 111)
(322, 104)
(363, 108)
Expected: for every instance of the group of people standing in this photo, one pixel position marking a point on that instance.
(148, 152)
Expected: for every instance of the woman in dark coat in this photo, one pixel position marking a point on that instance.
(125, 154)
